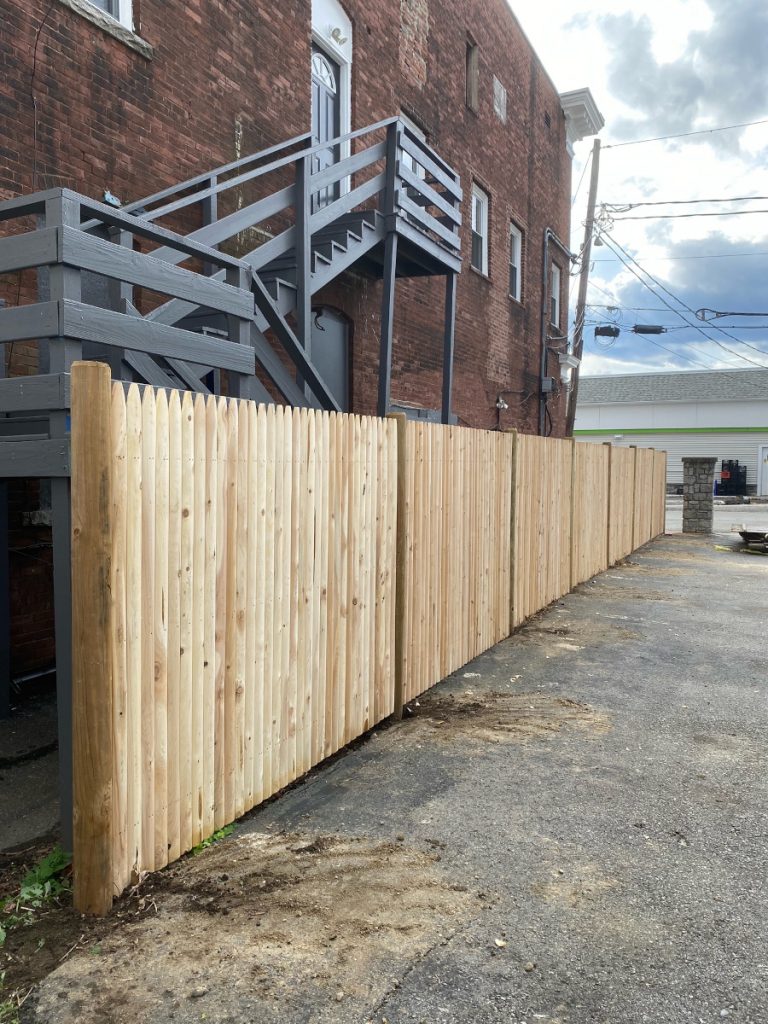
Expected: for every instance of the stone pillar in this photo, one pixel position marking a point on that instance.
(698, 483)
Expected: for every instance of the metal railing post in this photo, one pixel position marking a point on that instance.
(304, 254)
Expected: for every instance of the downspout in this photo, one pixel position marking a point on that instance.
(549, 233)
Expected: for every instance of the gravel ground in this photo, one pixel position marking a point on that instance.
(571, 829)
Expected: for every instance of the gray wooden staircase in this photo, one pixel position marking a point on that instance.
(234, 293)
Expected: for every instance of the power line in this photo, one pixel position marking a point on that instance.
(613, 243)
(678, 216)
(581, 179)
(624, 207)
(685, 135)
(712, 256)
(677, 355)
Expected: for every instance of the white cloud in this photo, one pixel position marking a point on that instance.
(668, 67)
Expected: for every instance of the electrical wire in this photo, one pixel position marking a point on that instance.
(712, 256)
(685, 135)
(680, 216)
(678, 312)
(625, 207)
(581, 179)
(714, 327)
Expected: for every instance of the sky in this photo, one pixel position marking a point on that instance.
(668, 67)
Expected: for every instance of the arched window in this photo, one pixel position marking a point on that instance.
(323, 72)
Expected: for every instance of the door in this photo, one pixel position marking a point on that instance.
(326, 119)
(762, 470)
(330, 352)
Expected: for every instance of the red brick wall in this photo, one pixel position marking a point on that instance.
(228, 78)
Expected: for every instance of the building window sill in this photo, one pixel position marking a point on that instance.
(480, 273)
(110, 26)
(517, 302)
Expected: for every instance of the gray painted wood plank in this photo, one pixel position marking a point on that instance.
(431, 223)
(270, 360)
(30, 394)
(109, 328)
(431, 196)
(79, 249)
(40, 320)
(358, 195)
(430, 166)
(342, 169)
(46, 458)
(33, 249)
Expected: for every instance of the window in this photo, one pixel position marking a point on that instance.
(499, 100)
(479, 230)
(473, 75)
(120, 10)
(515, 262)
(554, 299)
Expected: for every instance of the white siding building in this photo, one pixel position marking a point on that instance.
(717, 413)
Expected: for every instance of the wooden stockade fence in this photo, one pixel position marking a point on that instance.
(255, 587)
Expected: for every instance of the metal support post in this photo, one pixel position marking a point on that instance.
(5, 607)
(387, 322)
(304, 259)
(448, 344)
(64, 283)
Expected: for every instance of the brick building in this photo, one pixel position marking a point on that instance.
(126, 97)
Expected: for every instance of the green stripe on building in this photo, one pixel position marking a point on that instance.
(636, 432)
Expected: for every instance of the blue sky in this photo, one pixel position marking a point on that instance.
(669, 67)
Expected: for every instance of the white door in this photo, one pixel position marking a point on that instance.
(762, 469)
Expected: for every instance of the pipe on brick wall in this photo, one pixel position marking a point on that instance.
(549, 233)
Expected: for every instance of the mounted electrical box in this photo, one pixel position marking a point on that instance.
(547, 385)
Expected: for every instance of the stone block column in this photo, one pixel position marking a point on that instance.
(698, 484)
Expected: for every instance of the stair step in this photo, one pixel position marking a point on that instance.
(276, 284)
(328, 248)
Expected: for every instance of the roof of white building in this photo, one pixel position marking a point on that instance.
(685, 386)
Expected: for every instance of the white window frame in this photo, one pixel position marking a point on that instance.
(554, 298)
(120, 10)
(480, 221)
(516, 261)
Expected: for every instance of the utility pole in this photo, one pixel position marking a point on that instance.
(581, 302)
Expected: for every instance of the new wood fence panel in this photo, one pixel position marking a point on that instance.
(589, 527)
(644, 496)
(659, 493)
(542, 523)
(621, 524)
(457, 529)
(253, 556)
(252, 607)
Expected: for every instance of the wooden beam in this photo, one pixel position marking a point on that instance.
(91, 636)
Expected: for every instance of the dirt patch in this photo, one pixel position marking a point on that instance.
(569, 636)
(660, 570)
(504, 717)
(626, 592)
(575, 886)
(261, 927)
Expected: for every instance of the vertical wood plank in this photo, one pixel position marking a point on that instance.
(148, 431)
(117, 626)
(92, 656)
(199, 526)
(161, 630)
(134, 631)
(187, 745)
(174, 706)
(212, 515)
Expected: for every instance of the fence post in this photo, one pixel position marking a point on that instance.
(92, 738)
(572, 535)
(634, 497)
(513, 531)
(608, 503)
(401, 563)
